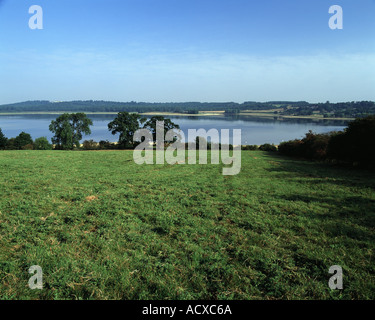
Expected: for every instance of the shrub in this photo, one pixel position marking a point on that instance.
(250, 147)
(315, 145)
(337, 147)
(90, 145)
(29, 146)
(105, 145)
(312, 146)
(291, 148)
(268, 147)
(42, 144)
(356, 143)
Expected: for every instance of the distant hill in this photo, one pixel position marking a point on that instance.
(299, 108)
(111, 106)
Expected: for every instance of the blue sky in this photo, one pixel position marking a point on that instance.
(187, 50)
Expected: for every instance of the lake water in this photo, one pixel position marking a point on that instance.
(254, 130)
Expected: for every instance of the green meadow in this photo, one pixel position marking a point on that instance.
(103, 227)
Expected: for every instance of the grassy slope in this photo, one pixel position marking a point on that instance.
(184, 231)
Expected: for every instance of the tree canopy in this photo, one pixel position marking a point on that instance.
(151, 125)
(42, 144)
(22, 140)
(68, 130)
(126, 124)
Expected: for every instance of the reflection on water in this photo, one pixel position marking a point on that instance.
(255, 130)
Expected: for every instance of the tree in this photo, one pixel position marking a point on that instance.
(23, 141)
(3, 140)
(168, 125)
(42, 144)
(126, 124)
(357, 143)
(68, 130)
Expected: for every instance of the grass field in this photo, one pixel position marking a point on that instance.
(102, 227)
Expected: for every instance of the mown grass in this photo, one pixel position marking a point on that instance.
(102, 227)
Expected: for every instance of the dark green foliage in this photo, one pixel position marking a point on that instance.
(334, 110)
(300, 108)
(356, 143)
(42, 144)
(232, 111)
(126, 124)
(151, 125)
(337, 147)
(268, 147)
(292, 148)
(106, 145)
(3, 140)
(250, 147)
(10, 144)
(312, 146)
(68, 130)
(90, 145)
(23, 141)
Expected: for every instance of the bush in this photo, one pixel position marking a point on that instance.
(315, 145)
(251, 147)
(291, 148)
(90, 145)
(356, 144)
(268, 147)
(42, 144)
(106, 145)
(29, 146)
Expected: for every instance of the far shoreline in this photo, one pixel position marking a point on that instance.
(171, 114)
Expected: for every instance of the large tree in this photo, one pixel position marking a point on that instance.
(22, 140)
(68, 130)
(126, 124)
(151, 125)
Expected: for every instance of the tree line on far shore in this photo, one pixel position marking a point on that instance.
(328, 109)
